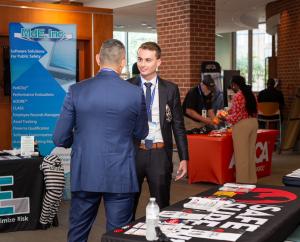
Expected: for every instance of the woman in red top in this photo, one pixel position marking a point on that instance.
(242, 116)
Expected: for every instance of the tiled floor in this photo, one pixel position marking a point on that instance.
(282, 164)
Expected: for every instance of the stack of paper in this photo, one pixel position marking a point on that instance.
(13, 152)
(207, 204)
(295, 173)
(235, 187)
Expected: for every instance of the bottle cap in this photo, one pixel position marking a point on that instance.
(152, 199)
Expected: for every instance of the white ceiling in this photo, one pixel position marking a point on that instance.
(231, 15)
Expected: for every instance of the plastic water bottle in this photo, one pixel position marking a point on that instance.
(152, 218)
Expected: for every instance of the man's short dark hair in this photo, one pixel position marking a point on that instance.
(152, 46)
(271, 82)
(135, 70)
(112, 52)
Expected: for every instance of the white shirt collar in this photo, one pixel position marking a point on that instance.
(153, 81)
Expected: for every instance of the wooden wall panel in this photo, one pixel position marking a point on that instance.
(83, 21)
(102, 33)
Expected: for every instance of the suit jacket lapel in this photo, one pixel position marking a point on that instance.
(137, 80)
(162, 101)
(162, 90)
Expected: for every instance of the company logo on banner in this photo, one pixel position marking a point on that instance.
(10, 205)
(262, 154)
(43, 66)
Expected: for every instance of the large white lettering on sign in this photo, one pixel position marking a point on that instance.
(263, 154)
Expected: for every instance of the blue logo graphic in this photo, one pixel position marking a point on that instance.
(42, 32)
(8, 204)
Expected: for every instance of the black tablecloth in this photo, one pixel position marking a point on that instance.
(291, 181)
(21, 194)
(271, 212)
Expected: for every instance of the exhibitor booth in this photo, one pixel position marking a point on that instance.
(212, 160)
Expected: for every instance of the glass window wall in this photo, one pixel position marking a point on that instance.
(253, 67)
(262, 48)
(132, 41)
(242, 52)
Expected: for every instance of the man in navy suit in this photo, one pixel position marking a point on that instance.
(100, 119)
(154, 155)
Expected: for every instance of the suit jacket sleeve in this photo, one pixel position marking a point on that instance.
(63, 134)
(178, 127)
(141, 129)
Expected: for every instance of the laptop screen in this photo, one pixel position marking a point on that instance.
(63, 56)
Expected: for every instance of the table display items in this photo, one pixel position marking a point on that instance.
(252, 213)
(207, 204)
(236, 187)
(220, 118)
(152, 219)
(29, 148)
(292, 179)
(295, 173)
(219, 125)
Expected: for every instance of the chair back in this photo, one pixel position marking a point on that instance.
(268, 108)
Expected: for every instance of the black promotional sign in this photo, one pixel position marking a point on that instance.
(21, 194)
(266, 213)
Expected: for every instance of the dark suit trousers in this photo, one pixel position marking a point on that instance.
(157, 168)
(84, 208)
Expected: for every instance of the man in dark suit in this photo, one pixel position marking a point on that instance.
(154, 154)
(100, 118)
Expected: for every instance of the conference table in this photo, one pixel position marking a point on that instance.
(211, 158)
(21, 193)
(266, 213)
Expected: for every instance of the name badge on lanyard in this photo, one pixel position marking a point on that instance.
(153, 127)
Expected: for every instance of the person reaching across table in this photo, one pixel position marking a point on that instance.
(242, 116)
(202, 102)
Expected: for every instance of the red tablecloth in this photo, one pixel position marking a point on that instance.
(211, 158)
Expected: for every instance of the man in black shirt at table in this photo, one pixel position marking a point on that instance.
(202, 102)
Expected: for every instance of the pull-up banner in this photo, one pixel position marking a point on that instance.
(43, 66)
